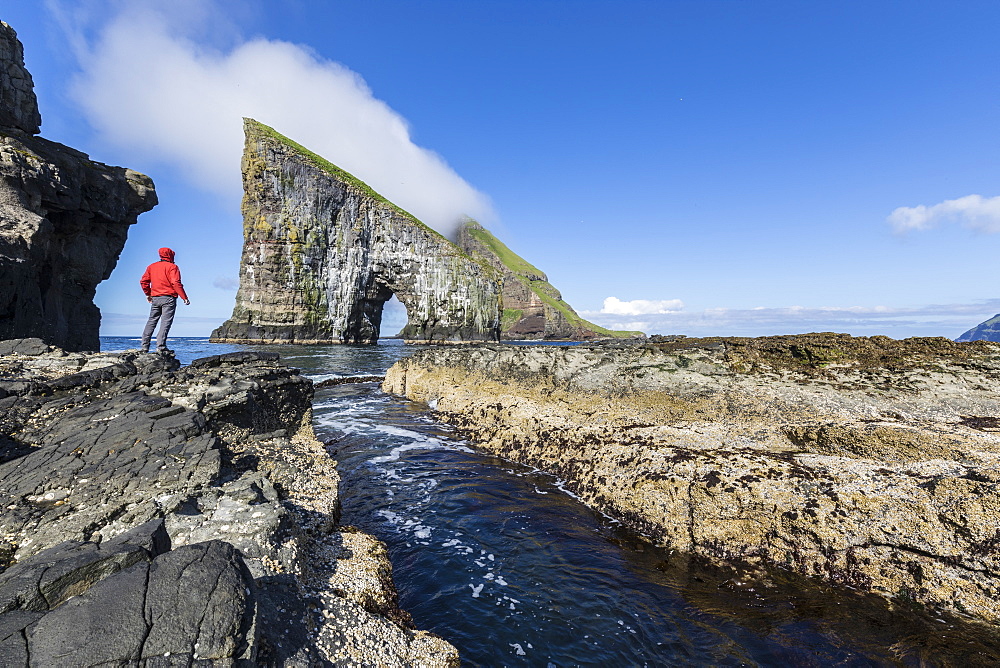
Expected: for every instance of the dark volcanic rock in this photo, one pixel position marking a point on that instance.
(52, 576)
(130, 598)
(18, 106)
(192, 603)
(63, 220)
(32, 346)
(158, 515)
(103, 462)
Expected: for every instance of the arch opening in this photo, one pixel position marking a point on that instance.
(394, 318)
(379, 311)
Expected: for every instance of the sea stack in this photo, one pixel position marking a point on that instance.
(323, 252)
(63, 219)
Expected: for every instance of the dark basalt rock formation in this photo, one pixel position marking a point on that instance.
(63, 220)
(984, 331)
(18, 105)
(157, 515)
(131, 602)
(323, 253)
(532, 308)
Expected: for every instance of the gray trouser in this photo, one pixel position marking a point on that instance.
(162, 311)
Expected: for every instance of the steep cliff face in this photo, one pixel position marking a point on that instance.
(532, 308)
(323, 253)
(18, 105)
(63, 220)
(984, 331)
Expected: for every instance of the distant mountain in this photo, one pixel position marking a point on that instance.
(532, 308)
(987, 331)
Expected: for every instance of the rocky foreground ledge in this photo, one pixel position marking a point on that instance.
(158, 516)
(868, 462)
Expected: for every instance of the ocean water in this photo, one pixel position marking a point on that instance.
(503, 562)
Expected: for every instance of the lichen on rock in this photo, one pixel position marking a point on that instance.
(323, 253)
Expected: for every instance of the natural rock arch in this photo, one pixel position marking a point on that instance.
(323, 252)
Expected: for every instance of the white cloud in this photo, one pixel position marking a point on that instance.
(226, 283)
(973, 211)
(151, 82)
(615, 306)
(948, 320)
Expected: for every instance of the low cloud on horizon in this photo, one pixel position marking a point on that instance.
(131, 324)
(972, 211)
(948, 320)
(615, 306)
(150, 82)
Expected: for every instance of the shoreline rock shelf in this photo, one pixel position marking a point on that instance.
(162, 515)
(870, 463)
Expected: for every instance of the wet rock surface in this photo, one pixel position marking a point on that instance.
(159, 515)
(869, 463)
(64, 219)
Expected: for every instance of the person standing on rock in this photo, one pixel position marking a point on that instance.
(162, 285)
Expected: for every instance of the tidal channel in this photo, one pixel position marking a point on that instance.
(508, 566)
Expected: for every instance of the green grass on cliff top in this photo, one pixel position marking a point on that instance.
(334, 170)
(509, 258)
(576, 320)
(527, 271)
(354, 181)
(993, 324)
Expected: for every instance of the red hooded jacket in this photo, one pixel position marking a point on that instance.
(163, 278)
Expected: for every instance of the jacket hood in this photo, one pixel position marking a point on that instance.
(166, 254)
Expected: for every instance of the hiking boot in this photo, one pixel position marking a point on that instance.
(144, 349)
(165, 351)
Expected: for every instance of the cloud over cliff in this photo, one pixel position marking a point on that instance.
(973, 211)
(157, 81)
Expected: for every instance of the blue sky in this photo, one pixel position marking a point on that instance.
(699, 168)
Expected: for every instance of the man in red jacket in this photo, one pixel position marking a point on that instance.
(162, 285)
